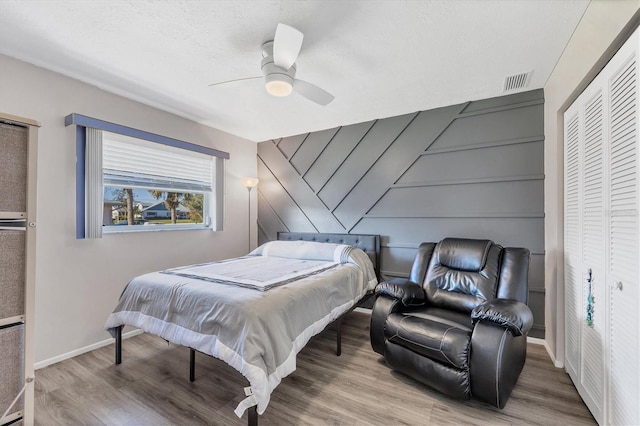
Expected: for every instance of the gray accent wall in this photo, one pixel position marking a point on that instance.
(469, 170)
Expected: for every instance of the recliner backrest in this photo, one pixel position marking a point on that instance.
(462, 273)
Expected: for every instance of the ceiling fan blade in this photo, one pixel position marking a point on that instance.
(313, 92)
(235, 79)
(286, 46)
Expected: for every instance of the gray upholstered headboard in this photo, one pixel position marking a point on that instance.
(370, 244)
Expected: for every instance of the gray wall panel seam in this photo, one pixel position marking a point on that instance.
(287, 192)
(346, 158)
(275, 213)
(530, 139)
(293, 154)
(469, 181)
(318, 156)
(410, 246)
(507, 107)
(374, 163)
(435, 138)
(535, 215)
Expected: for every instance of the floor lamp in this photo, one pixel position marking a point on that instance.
(249, 183)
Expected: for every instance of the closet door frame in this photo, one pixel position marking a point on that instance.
(30, 261)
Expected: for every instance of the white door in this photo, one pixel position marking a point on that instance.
(624, 341)
(572, 241)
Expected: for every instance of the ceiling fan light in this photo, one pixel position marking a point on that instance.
(278, 87)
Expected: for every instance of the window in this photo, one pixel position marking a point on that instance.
(136, 181)
(148, 184)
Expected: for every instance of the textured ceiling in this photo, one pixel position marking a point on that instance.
(379, 58)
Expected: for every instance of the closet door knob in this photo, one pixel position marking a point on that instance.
(619, 285)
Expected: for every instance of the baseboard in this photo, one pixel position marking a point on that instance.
(556, 363)
(80, 351)
(536, 341)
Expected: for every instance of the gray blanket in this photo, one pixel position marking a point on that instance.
(258, 333)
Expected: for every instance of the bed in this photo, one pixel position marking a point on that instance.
(255, 312)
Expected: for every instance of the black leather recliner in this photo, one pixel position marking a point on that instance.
(459, 323)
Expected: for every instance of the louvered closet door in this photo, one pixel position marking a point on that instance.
(594, 252)
(585, 248)
(624, 362)
(573, 247)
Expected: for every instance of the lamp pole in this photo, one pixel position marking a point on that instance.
(249, 183)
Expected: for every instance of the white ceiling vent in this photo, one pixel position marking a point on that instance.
(517, 81)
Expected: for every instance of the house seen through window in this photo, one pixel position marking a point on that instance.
(146, 184)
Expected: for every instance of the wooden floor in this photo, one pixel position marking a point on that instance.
(151, 387)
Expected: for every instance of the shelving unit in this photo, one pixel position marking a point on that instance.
(18, 158)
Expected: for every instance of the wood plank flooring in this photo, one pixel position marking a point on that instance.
(151, 387)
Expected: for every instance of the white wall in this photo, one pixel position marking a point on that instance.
(79, 281)
(591, 45)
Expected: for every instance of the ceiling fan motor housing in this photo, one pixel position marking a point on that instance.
(278, 81)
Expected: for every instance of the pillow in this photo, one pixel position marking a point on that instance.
(309, 250)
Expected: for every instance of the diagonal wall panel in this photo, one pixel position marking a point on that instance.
(289, 146)
(282, 208)
(293, 184)
(312, 147)
(370, 148)
(335, 153)
(403, 151)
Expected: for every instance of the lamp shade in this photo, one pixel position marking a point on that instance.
(249, 182)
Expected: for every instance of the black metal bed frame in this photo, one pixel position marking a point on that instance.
(252, 412)
(369, 243)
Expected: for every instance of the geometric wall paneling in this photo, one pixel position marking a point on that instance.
(410, 232)
(471, 170)
(326, 164)
(279, 211)
(13, 169)
(404, 150)
(503, 160)
(304, 197)
(289, 145)
(361, 159)
(515, 100)
(536, 304)
(481, 199)
(311, 149)
(481, 126)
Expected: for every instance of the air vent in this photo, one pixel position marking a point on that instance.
(517, 81)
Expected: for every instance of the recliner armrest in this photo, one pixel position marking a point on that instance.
(509, 313)
(402, 289)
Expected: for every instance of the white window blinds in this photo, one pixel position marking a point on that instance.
(133, 163)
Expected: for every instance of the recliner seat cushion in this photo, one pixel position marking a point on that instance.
(441, 341)
(463, 273)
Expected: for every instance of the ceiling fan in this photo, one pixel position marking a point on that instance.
(279, 68)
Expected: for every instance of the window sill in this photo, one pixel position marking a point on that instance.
(126, 229)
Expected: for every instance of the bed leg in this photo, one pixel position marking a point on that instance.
(252, 416)
(118, 345)
(192, 365)
(339, 338)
